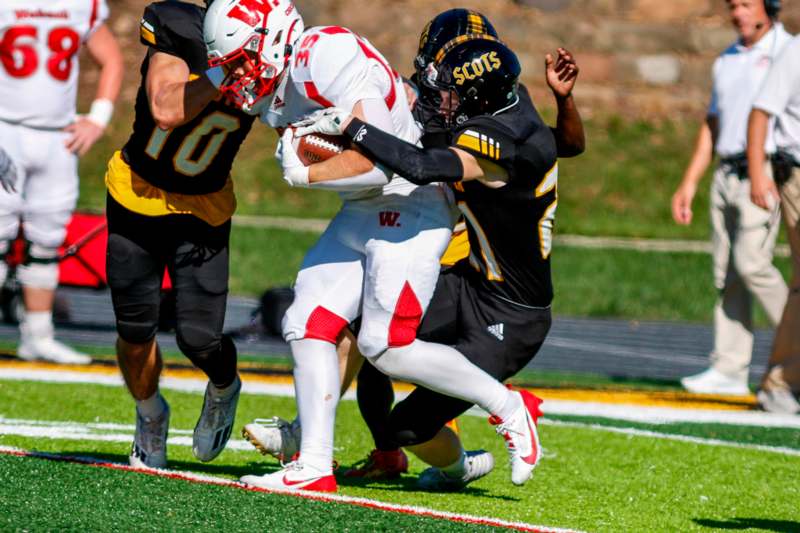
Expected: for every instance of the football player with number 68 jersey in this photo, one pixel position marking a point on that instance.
(41, 138)
(379, 257)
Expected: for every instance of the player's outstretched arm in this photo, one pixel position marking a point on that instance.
(87, 129)
(416, 164)
(561, 72)
(175, 99)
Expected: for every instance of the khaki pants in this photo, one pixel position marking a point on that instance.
(743, 243)
(784, 363)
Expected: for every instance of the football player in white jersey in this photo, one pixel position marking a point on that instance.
(41, 137)
(379, 257)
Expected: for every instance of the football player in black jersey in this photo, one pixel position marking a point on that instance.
(501, 162)
(169, 205)
(375, 395)
(561, 72)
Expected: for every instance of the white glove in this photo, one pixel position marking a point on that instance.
(294, 172)
(8, 172)
(328, 121)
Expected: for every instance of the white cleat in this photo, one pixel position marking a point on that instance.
(778, 400)
(149, 448)
(274, 436)
(49, 349)
(712, 381)
(215, 424)
(479, 464)
(294, 476)
(521, 436)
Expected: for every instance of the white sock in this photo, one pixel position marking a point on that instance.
(39, 324)
(445, 370)
(151, 407)
(457, 469)
(316, 385)
(510, 406)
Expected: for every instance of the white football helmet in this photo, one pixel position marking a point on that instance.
(252, 41)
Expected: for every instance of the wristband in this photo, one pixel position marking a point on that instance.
(101, 111)
(216, 76)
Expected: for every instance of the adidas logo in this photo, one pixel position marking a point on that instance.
(496, 330)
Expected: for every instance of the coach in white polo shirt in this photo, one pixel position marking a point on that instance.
(743, 234)
(780, 98)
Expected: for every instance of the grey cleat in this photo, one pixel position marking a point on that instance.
(479, 464)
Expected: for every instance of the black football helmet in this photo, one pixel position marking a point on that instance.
(480, 71)
(445, 27)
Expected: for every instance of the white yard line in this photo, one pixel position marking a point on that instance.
(623, 412)
(681, 438)
(317, 496)
(649, 414)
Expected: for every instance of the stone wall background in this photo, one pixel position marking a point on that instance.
(648, 58)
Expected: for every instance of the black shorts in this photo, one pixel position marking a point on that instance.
(496, 335)
(195, 253)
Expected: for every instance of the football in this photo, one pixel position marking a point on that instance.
(316, 147)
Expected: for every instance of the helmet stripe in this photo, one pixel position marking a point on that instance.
(460, 40)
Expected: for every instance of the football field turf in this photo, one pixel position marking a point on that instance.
(599, 473)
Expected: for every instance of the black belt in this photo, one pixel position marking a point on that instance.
(782, 165)
(736, 163)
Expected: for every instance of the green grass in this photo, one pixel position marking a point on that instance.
(90, 498)
(588, 282)
(589, 479)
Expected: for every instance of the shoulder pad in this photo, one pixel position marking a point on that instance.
(485, 137)
(325, 54)
(172, 27)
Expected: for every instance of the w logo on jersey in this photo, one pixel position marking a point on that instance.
(247, 10)
(389, 219)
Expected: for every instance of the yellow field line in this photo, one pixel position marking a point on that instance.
(673, 399)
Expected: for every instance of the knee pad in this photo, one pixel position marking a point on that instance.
(5, 246)
(321, 324)
(137, 332)
(40, 268)
(9, 228)
(197, 340)
(46, 229)
(392, 326)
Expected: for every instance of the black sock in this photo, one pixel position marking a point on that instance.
(375, 399)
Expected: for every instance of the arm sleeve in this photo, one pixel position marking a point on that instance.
(782, 83)
(417, 165)
(97, 18)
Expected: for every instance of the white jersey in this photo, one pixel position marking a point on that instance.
(738, 75)
(332, 66)
(39, 43)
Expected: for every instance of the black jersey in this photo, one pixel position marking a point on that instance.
(194, 158)
(510, 228)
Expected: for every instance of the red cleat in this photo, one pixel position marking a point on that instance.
(380, 464)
